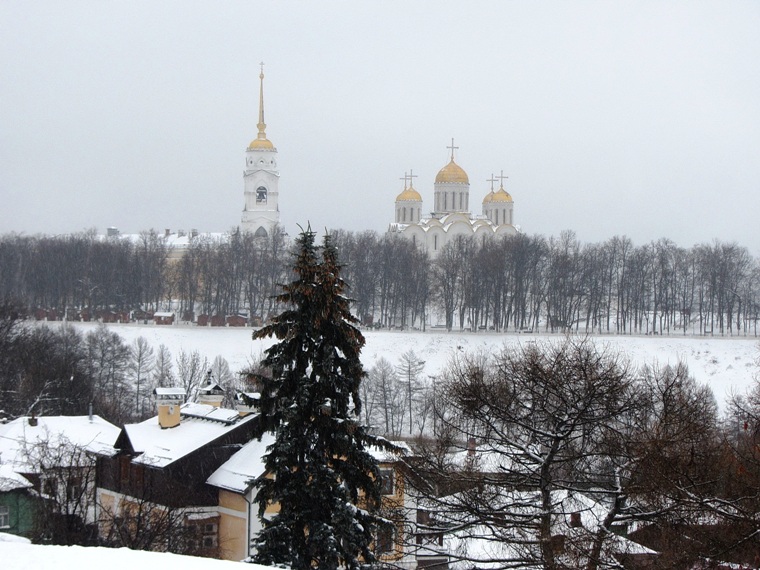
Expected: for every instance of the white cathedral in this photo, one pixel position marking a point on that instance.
(451, 216)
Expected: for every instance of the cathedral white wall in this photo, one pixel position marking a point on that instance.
(449, 195)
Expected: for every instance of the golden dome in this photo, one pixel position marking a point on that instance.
(408, 195)
(452, 172)
(261, 144)
(500, 195)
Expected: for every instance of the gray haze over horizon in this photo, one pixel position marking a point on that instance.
(609, 118)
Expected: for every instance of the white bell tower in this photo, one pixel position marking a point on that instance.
(261, 211)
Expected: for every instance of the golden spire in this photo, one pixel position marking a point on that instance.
(261, 142)
(262, 125)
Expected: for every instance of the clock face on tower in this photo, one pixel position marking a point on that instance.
(261, 195)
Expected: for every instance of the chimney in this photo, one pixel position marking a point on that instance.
(167, 232)
(246, 403)
(472, 446)
(212, 393)
(168, 402)
(33, 420)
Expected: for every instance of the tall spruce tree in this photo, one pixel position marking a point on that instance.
(318, 469)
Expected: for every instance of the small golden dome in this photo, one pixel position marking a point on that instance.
(409, 194)
(452, 172)
(261, 144)
(500, 195)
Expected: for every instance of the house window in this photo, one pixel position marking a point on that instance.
(5, 516)
(50, 488)
(74, 488)
(386, 539)
(387, 481)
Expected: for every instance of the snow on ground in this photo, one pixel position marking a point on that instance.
(727, 364)
(18, 555)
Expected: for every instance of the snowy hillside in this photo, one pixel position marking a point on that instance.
(727, 365)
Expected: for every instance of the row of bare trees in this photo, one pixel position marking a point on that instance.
(518, 282)
(215, 275)
(529, 282)
(558, 455)
(60, 371)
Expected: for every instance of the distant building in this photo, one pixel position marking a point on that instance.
(451, 216)
(261, 211)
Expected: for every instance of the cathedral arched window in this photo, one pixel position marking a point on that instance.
(435, 242)
(261, 232)
(497, 217)
(403, 214)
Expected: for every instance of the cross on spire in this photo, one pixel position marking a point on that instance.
(492, 180)
(405, 179)
(452, 147)
(502, 177)
(412, 175)
(262, 69)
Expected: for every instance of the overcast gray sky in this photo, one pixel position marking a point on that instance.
(636, 118)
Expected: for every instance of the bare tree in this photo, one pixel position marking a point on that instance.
(141, 363)
(191, 372)
(408, 371)
(163, 370)
(536, 421)
(389, 396)
(65, 477)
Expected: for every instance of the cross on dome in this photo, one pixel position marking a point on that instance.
(492, 180)
(452, 147)
(502, 178)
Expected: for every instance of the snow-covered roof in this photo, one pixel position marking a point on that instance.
(200, 425)
(236, 473)
(94, 435)
(10, 480)
(385, 456)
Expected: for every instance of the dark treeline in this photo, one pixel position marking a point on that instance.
(518, 282)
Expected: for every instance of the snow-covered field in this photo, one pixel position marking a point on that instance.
(727, 365)
(18, 554)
